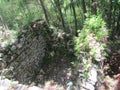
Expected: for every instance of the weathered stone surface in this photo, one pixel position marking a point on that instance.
(92, 76)
(6, 84)
(26, 54)
(34, 88)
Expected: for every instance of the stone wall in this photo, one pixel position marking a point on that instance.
(26, 54)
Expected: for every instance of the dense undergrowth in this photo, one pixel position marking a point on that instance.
(91, 42)
(87, 48)
(82, 37)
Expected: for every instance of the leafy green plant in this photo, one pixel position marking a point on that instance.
(89, 45)
(18, 13)
(94, 29)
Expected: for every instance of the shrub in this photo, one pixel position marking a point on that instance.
(90, 43)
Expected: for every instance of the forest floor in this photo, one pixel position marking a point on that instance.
(58, 73)
(62, 72)
(112, 62)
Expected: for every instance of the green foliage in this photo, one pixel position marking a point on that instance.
(8, 37)
(85, 74)
(18, 13)
(89, 44)
(95, 26)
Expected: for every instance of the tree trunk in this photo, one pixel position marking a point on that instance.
(94, 5)
(44, 10)
(110, 14)
(57, 2)
(118, 25)
(84, 6)
(75, 19)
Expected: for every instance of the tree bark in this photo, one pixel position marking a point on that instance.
(118, 24)
(75, 19)
(44, 10)
(84, 6)
(110, 14)
(57, 2)
(94, 5)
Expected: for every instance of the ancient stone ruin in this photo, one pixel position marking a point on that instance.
(26, 53)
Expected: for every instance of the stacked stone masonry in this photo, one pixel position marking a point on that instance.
(26, 54)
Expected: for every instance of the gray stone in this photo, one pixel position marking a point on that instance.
(92, 76)
(3, 88)
(69, 86)
(34, 88)
(13, 47)
(88, 86)
(19, 45)
(1, 54)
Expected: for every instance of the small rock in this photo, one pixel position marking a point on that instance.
(13, 48)
(15, 83)
(88, 86)
(1, 54)
(6, 83)
(93, 76)
(69, 86)
(3, 88)
(19, 45)
(118, 51)
(3, 44)
(34, 88)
